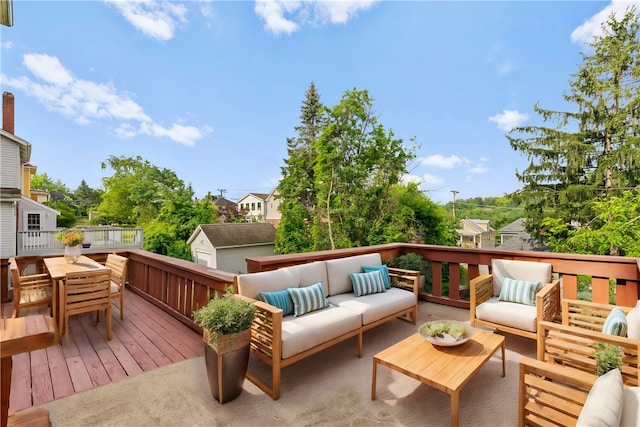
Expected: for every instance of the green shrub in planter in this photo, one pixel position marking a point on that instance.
(225, 315)
(607, 358)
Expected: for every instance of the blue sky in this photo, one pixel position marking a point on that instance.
(212, 89)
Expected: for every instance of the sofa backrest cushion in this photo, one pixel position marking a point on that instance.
(519, 270)
(338, 271)
(633, 322)
(604, 403)
(267, 281)
(311, 273)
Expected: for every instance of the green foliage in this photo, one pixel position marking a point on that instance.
(409, 261)
(593, 153)
(67, 217)
(86, 198)
(225, 315)
(608, 357)
(500, 211)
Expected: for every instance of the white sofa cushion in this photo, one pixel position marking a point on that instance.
(604, 403)
(374, 307)
(267, 281)
(512, 314)
(312, 329)
(338, 271)
(633, 322)
(311, 273)
(519, 270)
(631, 407)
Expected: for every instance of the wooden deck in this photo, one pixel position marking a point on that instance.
(148, 338)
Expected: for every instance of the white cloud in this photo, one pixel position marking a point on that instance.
(509, 119)
(505, 67)
(155, 19)
(87, 102)
(439, 161)
(428, 178)
(6, 45)
(286, 16)
(593, 26)
(478, 169)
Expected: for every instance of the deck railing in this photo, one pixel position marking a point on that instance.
(180, 287)
(44, 242)
(624, 271)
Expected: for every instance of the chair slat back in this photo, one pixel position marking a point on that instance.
(118, 266)
(87, 291)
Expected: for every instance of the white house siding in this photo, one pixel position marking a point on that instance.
(253, 207)
(233, 260)
(10, 165)
(202, 250)
(47, 215)
(8, 230)
(273, 214)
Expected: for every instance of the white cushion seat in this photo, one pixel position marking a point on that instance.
(520, 316)
(631, 407)
(314, 328)
(376, 306)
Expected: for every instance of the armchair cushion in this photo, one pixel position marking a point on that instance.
(631, 412)
(519, 316)
(633, 322)
(308, 299)
(615, 323)
(604, 403)
(383, 269)
(520, 291)
(367, 283)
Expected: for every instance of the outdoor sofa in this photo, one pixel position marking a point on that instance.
(283, 336)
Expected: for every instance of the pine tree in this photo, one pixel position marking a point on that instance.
(594, 152)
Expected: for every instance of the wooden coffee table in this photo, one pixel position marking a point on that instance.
(444, 368)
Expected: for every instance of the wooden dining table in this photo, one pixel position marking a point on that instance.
(58, 267)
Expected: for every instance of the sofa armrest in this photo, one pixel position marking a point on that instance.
(266, 330)
(574, 347)
(551, 394)
(548, 302)
(405, 279)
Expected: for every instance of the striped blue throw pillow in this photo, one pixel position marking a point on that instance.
(280, 299)
(520, 291)
(308, 298)
(367, 283)
(615, 323)
(383, 269)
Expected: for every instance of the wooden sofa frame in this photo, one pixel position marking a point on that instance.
(573, 342)
(551, 395)
(547, 304)
(266, 332)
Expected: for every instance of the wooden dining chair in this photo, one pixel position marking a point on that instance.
(31, 290)
(118, 266)
(85, 292)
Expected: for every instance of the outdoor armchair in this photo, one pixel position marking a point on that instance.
(32, 290)
(118, 266)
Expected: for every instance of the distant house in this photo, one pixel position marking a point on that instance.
(227, 246)
(514, 237)
(476, 233)
(227, 209)
(253, 207)
(272, 204)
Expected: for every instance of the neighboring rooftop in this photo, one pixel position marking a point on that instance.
(238, 234)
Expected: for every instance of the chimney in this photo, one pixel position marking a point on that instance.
(8, 122)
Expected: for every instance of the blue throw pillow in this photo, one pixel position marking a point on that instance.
(308, 298)
(615, 323)
(367, 283)
(520, 291)
(382, 269)
(280, 299)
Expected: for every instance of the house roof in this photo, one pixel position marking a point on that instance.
(222, 202)
(240, 234)
(262, 196)
(25, 147)
(515, 227)
(475, 225)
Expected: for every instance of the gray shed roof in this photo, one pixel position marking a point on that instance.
(240, 234)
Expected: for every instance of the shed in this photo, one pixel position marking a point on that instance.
(227, 246)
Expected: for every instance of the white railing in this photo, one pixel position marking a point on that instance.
(45, 242)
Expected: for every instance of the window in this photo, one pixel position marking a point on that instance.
(33, 221)
(253, 206)
(259, 206)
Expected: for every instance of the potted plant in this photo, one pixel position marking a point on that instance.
(226, 326)
(607, 358)
(72, 240)
(411, 261)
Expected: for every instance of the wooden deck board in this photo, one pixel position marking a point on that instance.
(146, 339)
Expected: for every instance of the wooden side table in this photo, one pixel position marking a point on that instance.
(20, 335)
